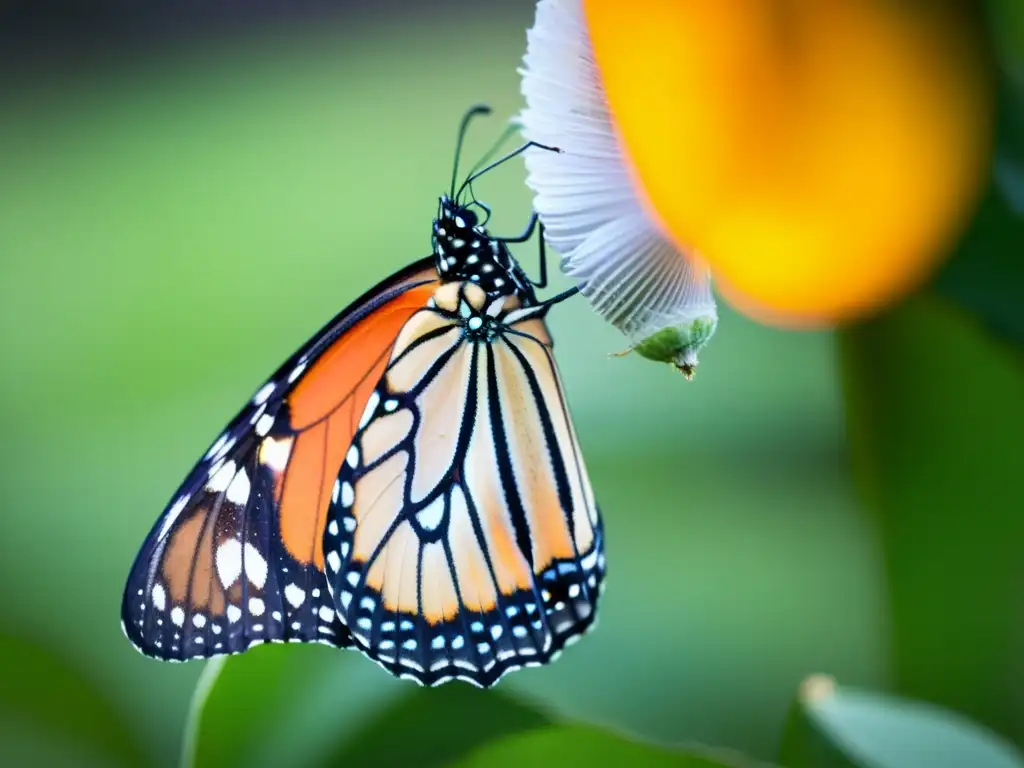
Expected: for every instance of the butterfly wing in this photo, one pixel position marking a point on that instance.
(463, 539)
(236, 558)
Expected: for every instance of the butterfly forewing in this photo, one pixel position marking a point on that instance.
(462, 539)
(236, 557)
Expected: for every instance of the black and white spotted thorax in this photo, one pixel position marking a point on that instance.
(465, 252)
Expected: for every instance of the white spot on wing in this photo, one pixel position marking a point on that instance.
(333, 561)
(229, 562)
(221, 478)
(352, 457)
(296, 372)
(263, 424)
(264, 394)
(218, 444)
(347, 494)
(294, 595)
(234, 613)
(177, 615)
(430, 516)
(371, 407)
(256, 606)
(274, 453)
(255, 566)
(238, 491)
(159, 597)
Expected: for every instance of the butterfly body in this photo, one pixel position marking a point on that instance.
(465, 251)
(408, 484)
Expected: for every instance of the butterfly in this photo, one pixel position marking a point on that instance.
(408, 484)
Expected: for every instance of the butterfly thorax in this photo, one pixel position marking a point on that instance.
(465, 252)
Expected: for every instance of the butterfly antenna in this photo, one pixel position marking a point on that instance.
(477, 174)
(476, 109)
(509, 130)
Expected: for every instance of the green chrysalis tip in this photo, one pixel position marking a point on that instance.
(678, 344)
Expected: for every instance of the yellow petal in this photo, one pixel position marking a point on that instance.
(821, 155)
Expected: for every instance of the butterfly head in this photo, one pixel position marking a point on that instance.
(466, 252)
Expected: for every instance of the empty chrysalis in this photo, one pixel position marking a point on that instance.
(677, 344)
(611, 244)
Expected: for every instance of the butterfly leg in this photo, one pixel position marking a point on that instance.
(526, 235)
(485, 207)
(556, 299)
(543, 258)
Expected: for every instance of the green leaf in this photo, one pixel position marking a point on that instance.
(1006, 22)
(281, 704)
(1006, 25)
(48, 708)
(437, 726)
(935, 415)
(986, 272)
(844, 728)
(986, 275)
(584, 745)
(310, 705)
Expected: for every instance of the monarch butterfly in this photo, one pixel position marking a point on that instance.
(408, 484)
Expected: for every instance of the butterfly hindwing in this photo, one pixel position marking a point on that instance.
(462, 538)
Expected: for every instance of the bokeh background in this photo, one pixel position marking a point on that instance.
(186, 193)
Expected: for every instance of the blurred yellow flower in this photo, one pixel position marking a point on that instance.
(820, 155)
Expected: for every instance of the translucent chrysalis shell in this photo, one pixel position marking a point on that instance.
(633, 275)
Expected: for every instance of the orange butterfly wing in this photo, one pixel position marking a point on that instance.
(236, 558)
(464, 540)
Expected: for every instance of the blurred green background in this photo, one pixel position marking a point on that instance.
(176, 218)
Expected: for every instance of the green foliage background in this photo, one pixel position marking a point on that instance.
(173, 228)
